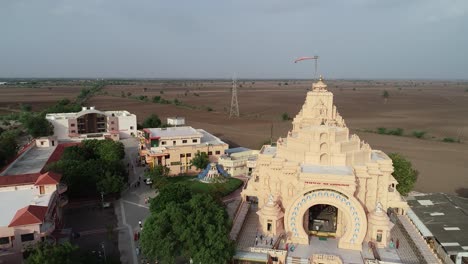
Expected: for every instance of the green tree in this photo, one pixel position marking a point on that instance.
(160, 238)
(8, 146)
(200, 160)
(110, 183)
(152, 121)
(158, 175)
(206, 235)
(110, 150)
(169, 193)
(404, 173)
(285, 116)
(194, 227)
(45, 253)
(385, 95)
(38, 126)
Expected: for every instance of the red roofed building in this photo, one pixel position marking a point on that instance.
(31, 203)
(29, 215)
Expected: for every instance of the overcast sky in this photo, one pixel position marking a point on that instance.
(404, 39)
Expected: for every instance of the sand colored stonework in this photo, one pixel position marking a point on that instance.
(320, 163)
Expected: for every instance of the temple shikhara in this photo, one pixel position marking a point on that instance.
(318, 183)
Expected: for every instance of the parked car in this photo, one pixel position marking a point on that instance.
(148, 181)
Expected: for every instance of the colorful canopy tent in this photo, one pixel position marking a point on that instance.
(213, 173)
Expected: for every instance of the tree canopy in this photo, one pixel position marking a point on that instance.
(189, 225)
(45, 253)
(403, 173)
(158, 175)
(200, 160)
(152, 121)
(37, 125)
(92, 167)
(8, 146)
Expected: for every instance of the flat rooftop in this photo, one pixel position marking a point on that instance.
(12, 201)
(268, 150)
(183, 131)
(31, 161)
(208, 138)
(89, 110)
(445, 216)
(335, 170)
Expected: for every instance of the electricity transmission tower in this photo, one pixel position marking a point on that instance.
(234, 103)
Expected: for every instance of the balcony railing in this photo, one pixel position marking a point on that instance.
(61, 188)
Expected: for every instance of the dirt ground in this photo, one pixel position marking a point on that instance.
(438, 108)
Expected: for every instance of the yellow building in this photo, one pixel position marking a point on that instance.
(320, 181)
(175, 147)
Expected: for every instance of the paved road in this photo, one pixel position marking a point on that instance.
(131, 208)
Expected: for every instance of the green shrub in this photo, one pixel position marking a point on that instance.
(396, 132)
(285, 116)
(381, 130)
(450, 140)
(419, 134)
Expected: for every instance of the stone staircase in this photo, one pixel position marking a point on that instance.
(239, 219)
(295, 260)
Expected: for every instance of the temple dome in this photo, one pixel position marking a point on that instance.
(320, 85)
(271, 209)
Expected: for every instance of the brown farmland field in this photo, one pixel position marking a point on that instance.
(436, 107)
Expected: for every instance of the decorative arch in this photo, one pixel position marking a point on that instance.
(323, 147)
(323, 137)
(324, 159)
(354, 216)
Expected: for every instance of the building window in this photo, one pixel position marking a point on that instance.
(73, 131)
(173, 143)
(189, 155)
(163, 142)
(4, 240)
(112, 128)
(379, 236)
(194, 140)
(168, 157)
(210, 153)
(218, 152)
(72, 125)
(131, 127)
(182, 155)
(27, 237)
(42, 143)
(112, 122)
(268, 226)
(184, 141)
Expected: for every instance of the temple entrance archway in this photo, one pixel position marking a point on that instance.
(321, 220)
(354, 220)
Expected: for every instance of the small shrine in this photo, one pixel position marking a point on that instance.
(213, 173)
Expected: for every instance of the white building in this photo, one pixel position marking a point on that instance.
(176, 121)
(90, 123)
(239, 161)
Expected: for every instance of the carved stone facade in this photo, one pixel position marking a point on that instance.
(320, 163)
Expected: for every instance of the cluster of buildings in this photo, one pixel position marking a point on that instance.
(31, 199)
(319, 195)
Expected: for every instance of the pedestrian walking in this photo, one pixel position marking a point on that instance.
(137, 251)
(261, 237)
(135, 237)
(397, 243)
(271, 242)
(138, 235)
(139, 223)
